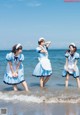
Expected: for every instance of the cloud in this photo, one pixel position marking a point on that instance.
(34, 4)
(29, 3)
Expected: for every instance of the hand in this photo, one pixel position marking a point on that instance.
(14, 74)
(48, 42)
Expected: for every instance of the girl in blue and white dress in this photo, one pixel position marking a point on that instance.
(43, 68)
(15, 70)
(71, 67)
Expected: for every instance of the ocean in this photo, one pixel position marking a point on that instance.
(53, 95)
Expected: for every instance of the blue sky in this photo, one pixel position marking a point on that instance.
(25, 21)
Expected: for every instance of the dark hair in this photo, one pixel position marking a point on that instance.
(14, 50)
(39, 42)
(75, 48)
(68, 51)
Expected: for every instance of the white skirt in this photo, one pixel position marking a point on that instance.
(43, 68)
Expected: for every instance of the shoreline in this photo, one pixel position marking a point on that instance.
(47, 96)
(39, 109)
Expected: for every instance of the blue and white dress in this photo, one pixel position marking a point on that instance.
(43, 68)
(71, 62)
(8, 78)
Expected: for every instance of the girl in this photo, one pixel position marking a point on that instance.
(15, 71)
(43, 68)
(70, 67)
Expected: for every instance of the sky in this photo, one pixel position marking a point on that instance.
(25, 21)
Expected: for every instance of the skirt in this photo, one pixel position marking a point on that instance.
(71, 72)
(43, 69)
(10, 80)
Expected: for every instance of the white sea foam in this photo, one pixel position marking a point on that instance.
(39, 99)
(24, 98)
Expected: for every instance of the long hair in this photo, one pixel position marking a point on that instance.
(68, 51)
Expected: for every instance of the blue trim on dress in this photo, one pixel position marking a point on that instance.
(42, 75)
(70, 75)
(13, 83)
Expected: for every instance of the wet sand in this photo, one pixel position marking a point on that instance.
(21, 108)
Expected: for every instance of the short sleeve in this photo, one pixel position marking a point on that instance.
(38, 49)
(21, 58)
(77, 56)
(9, 57)
(66, 54)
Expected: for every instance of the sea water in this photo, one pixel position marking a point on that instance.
(54, 91)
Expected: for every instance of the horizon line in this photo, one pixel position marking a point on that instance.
(35, 49)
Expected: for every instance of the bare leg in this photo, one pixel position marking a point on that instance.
(78, 82)
(24, 84)
(67, 79)
(15, 88)
(42, 82)
(46, 80)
